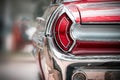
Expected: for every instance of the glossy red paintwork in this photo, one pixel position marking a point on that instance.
(96, 47)
(95, 11)
(101, 19)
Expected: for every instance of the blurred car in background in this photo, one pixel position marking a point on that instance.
(79, 40)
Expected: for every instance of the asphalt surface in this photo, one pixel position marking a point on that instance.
(18, 67)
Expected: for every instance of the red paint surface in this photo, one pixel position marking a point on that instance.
(96, 47)
(88, 11)
(101, 19)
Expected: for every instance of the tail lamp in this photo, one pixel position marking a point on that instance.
(65, 42)
(62, 32)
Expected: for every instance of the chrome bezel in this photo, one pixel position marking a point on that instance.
(55, 16)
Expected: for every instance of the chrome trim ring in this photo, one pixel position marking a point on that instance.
(83, 74)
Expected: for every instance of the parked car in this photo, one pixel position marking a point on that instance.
(79, 40)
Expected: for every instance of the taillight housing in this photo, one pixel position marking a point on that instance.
(74, 38)
(62, 32)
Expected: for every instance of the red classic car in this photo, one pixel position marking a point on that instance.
(79, 40)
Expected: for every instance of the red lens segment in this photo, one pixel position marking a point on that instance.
(62, 32)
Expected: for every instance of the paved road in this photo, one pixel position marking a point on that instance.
(18, 68)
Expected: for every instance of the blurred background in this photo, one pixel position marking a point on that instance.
(17, 25)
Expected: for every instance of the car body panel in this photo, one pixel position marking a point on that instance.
(57, 64)
(97, 12)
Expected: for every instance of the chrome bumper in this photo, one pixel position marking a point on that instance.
(59, 66)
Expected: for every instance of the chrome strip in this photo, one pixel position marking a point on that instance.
(96, 32)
